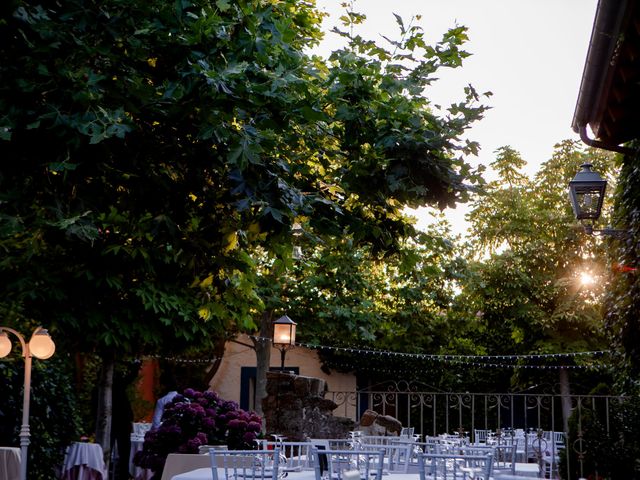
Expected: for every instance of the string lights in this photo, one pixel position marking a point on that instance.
(177, 359)
(472, 361)
(477, 361)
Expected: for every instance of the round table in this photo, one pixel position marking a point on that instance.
(9, 463)
(84, 461)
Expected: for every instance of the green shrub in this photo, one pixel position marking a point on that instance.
(53, 420)
(607, 454)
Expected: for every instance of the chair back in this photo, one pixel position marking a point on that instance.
(248, 464)
(377, 439)
(417, 448)
(348, 464)
(333, 443)
(559, 438)
(407, 432)
(138, 430)
(480, 436)
(455, 467)
(504, 458)
(294, 456)
(397, 456)
(477, 450)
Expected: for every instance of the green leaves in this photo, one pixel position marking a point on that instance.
(529, 256)
(155, 156)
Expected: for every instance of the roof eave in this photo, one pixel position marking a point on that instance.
(610, 15)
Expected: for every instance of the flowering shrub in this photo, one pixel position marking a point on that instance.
(194, 419)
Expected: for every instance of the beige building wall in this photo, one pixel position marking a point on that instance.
(227, 380)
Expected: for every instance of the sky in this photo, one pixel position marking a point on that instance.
(529, 53)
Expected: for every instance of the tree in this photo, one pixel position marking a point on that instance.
(150, 148)
(381, 148)
(530, 252)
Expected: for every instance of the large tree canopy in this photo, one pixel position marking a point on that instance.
(147, 148)
(155, 153)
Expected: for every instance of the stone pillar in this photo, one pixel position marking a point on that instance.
(295, 407)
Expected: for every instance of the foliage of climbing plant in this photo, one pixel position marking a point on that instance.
(623, 297)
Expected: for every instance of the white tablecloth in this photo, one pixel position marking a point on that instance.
(197, 474)
(178, 463)
(9, 463)
(527, 470)
(522, 470)
(205, 474)
(84, 461)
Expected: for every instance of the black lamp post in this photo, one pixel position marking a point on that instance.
(586, 192)
(284, 336)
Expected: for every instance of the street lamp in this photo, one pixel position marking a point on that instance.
(586, 192)
(284, 336)
(40, 346)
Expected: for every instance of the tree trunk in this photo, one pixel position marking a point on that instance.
(565, 393)
(218, 353)
(263, 359)
(105, 407)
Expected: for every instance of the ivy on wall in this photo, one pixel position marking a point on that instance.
(623, 302)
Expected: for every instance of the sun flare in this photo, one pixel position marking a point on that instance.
(587, 278)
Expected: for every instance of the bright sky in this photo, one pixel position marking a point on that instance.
(529, 53)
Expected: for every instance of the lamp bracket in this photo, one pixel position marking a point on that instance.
(284, 346)
(609, 232)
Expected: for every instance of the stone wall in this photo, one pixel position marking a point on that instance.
(295, 407)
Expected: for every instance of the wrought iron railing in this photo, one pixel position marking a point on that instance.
(433, 413)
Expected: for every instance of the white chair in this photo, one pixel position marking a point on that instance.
(454, 467)
(397, 456)
(376, 439)
(407, 432)
(294, 456)
(333, 443)
(504, 459)
(477, 450)
(416, 448)
(249, 464)
(138, 429)
(436, 441)
(551, 454)
(348, 464)
(559, 439)
(480, 436)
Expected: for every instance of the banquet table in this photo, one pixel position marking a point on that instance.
(178, 463)
(9, 463)
(530, 470)
(84, 461)
(205, 474)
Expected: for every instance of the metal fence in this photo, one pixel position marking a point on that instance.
(433, 413)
